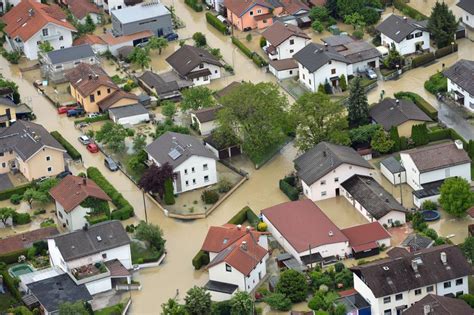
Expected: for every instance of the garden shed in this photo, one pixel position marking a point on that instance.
(393, 170)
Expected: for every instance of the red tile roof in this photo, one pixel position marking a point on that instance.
(239, 7)
(303, 224)
(219, 238)
(80, 8)
(73, 190)
(365, 236)
(89, 39)
(29, 17)
(24, 240)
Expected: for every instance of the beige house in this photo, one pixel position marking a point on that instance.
(11, 112)
(29, 148)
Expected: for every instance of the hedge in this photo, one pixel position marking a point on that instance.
(290, 191)
(214, 21)
(408, 10)
(422, 60)
(256, 58)
(420, 102)
(75, 155)
(92, 120)
(94, 219)
(124, 208)
(12, 257)
(21, 218)
(440, 134)
(11, 284)
(201, 259)
(19, 190)
(446, 51)
(437, 83)
(195, 5)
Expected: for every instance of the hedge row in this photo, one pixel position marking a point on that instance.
(446, 51)
(214, 21)
(448, 133)
(124, 208)
(256, 58)
(75, 155)
(11, 284)
(19, 190)
(423, 60)
(420, 102)
(97, 218)
(12, 258)
(201, 259)
(195, 5)
(408, 10)
(92, 120)
(290, 191)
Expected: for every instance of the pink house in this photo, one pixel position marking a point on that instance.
(249, 14)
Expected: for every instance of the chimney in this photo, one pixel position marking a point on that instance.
(239, 227)
(426, 309)
(459, 144)
(414, 265)
(330, 233)
(244, 245)
(84, 181)
(444, 258)
(90, 76)
(247, 228)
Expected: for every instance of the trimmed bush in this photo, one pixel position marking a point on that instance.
(437, 83)
(21, 218)
(209, 197)
(11, 284)
(169, 197)
(19, 190)
(440, 134)
(75, 155)
(408, 10)
(201, 259)
(429, 205)
(252, 217)
(214, 21)
(94, 219)
(446, 51)
(256, 58)
(240, 216)
(12, 258)
(290, 191)
(420, 102)
(16, 199)
(195, 5)
(92, 120)
(422, 60)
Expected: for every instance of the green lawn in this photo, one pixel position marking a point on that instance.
(6, 300)
(141, 255)
(111, 310)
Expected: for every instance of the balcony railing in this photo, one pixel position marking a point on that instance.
(89, 273)
(50, 36)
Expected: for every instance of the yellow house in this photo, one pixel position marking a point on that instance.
(402, 114)
(7, 112)
(30, 149)
(91, 86)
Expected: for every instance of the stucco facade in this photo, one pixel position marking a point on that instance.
(467, 100)
(89, 102)
(288, 48)
(333, 69)
(74, 219)
(417, 39)
(46, 162)
(247, 19)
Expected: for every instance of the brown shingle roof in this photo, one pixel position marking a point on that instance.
(81, 8)
(207, 114)
(187, 58)
(89, 39)
(284, 64)
(86, 78)
(29, 16)
(228, 89)
(113, 98)
(293, 6)
(439, 305)
(278, 32)
(24, 240)
(73, 190)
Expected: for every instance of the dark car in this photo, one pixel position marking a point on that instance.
(110, 164)
(75, 112)
(63, 174)
(171, 37)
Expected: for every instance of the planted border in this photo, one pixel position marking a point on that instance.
(218, 25)
(92, 120)
(19, 190)
(195, 5)
(75, 155)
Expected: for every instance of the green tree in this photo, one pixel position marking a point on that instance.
(248, 37)
(456, 196)
(278, 301)
(331, 6)
(112, 135)
(293, 284)
(370, 16)
(468, 248)
(5, 214)
(216, 52)
(196, 98)
(347, 7)
(319, 14)
(45, 47)
(139, 142)
(381, 142)
(317, 26)
(241, 304)
(363, 134)
(198, 301)
(395, 137)
(199, 39)
(172, 307)
(10, 84)
(393, 59)
(168, 109)
(169, 196)
(140, 56)
(150, 233)
(323, 301)
(327, 87)
(442, 24)
(159, 43)
(419, 134)
(77, 308)
(321, 89)
(31, 195)
(343, 82)
(355, 19)
(358, 106)
(318, 120)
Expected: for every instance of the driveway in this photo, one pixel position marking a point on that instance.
(454, 118)
(5, 182)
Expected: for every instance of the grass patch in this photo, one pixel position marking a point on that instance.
(111, 310)
(142, 254)
(6, 301)
(437, 83)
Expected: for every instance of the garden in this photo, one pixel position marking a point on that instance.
(148, 244)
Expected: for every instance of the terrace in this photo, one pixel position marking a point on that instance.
(90, 272)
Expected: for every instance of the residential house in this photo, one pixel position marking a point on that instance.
(393, 170)
(195, 64)
(401, 114)
(283, 41)
(433, 304)
(427, 168)
(23, 241)
(80, 9)
(204, 120)
(147, 16)
(247, 15)
(467, 8)
(323, 168)
(98, 45)
(238, 258)
(194, 166)
(11, 112)
(95, 91)
(154, 83)
(393, 284)
(30, 23)
(56, 63)
(283, 68)
(114, 43)
(28, 148)
(406, 35)
(129, 115)
(365, 240)
(461, 83)
(373, 201)
(95, 256)
(69, 196)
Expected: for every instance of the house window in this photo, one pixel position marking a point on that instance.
(108, 91)
(204, 167)
(410, 36)
(48, 158)
(45, 32)
(92, 98)
(59, 67)
(336, 180)
(60, 214)
(447, 284)
(333, 71)
(417, 291)
(259, 11)
(251, 13)
(387, 312)
(98, 92)
(429, 289)
(386, 300)
(4, 165)
(187, 183)
(38, 42)
(192, 169)
(104, 255)
(459, 281)
(290, 72)
(67, 221)
(50, 169)
(291, 51)
(62, 47)
(206, 179)
(309, 81)
(228, 268)
(304, 78)
(61, 37)
(194, 181)
(292, 41)
(201, 66)
(215, 71)
(186, 172)
(323, 182)
(323, 193)
(399, 296)
(419, 34)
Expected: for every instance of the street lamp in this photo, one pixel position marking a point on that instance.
(452, 47)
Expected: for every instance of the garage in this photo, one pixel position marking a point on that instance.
(129, 115)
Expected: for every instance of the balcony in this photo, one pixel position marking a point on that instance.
(50, 37)
(89, 273)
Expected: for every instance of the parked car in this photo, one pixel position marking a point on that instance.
(75, 112)
(64, 109)
(110, 164)
(93, 115)
(222, 19)
(63, 174)
(92, 148)
(371, 73)
(84, 139)
(171, 37)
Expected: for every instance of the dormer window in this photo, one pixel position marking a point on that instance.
(228, 268)
(201, 66)
(45, 32)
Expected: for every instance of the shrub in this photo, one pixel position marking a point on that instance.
(21, 218)
(75, 155)
(11, 284)
(39, 211)
(195, 5)
(201, 259)
(16, 199)
(338, 267)
(200, 39)
(12, 57)
(437, 83)
(468, 298)
(358, 34)
(446, 51)
(431, 234)
(209, 196)
(19, 190)
(439, 134)
(278, 301)
(169, 196)
(263, 42)
(214, 21)
(290, 191)
(262, 227)
(420, 102)
(429, 205)
(224, 185)
(422, 60)
(293, 284)
(248, 37)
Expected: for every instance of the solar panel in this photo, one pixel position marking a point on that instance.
(174, 154)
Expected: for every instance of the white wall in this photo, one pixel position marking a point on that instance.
(204, 128)
(99, 286)
(412, 173)
(408, 46)
(468, 98)
(395, 178)
(196, 162)
(363, 65)
(467, 18)
(215, 74)
(366, 293)
(312, 80)
(286, 50)
(75, 219)
(419, 202)
(55, 32)
(454, 289)
(283, 74)
(132, 120)
(114, 5)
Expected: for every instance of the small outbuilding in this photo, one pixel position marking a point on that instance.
(129, 115)
(365, 240)
(393, 170)
(283, 68)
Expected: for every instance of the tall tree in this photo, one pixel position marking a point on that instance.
(358, 106)
(155, 177)
(456, 196)
(198, 301)
(5, 214)
(31, 195)
(395, 137)
(318, 119)
(241, 304)
(381, 141)
(331, 6)
(293, 284)
(159, 43)
(197, 98)
(199, 39)
(172, 307)
(168, 109)
(112, 135)
(150, 233)
(442, 24)
(140, 56)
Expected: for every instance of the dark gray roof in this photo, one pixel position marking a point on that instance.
(97, 238)
(325, 157)
(397, 27)
(393, 165)
(128, 111)
(177, 145)
(52, 292)
(389, 113)
(222, 287)
(207, 114)
(353, 302)
(372, 196)
(314, 56)
(353, 50)
(466, 5)
(71, 54)
(155, 81)
(26, 138)
(429, 189)
(390, 276)
(462, 73)
(5, 101)
(186, 58)
(439, 305)
(417, 242)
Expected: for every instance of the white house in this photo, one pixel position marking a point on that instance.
(238, 259)
(30, 23)
(323, 168)
(129, 115)
(372, 200)
(393, 284)
(195, 64)
(467, 7)
(405, 34)
(461, 83)
(204, 120)
(93, 256)
(283, 41)
(393, 170)
(283, 68)
(427, 167)
(194, 166)
(69, 197)
(110, 5)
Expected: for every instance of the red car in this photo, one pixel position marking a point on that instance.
(64, 109)
(92, 148)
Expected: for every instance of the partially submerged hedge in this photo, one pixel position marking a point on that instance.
(437, 83)
(214, 21)
(256, 58)
(88, 120)
(423, 60)
(288, 189)
(195, 5)
(201, 259)
(12, 258)
(446, 50)
(75, 155)
(420, 102)
(124, 208)
(19, 190)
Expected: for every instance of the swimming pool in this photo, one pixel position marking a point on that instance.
(20, 269)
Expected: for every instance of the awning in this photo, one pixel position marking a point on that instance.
(198, 74)
(364, 247)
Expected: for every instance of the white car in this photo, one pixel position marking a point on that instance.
(92, 115)
(371, 73)
(84, 140)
